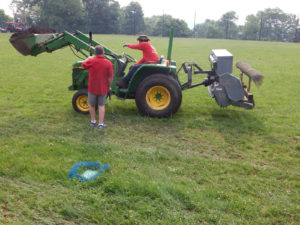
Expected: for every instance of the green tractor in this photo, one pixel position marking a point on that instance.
(156, 88)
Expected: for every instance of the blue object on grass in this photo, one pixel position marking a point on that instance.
(88, 174)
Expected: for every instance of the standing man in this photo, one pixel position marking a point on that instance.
(100, 79)
(149, 56)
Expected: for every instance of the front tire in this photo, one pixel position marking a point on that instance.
(80, 101)
(158, 95)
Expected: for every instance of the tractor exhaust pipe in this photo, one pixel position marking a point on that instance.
(170, 43)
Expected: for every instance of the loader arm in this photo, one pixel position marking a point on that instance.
(59, 41)
(34, 44)
(85, 39)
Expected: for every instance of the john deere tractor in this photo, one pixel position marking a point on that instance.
(156, 88)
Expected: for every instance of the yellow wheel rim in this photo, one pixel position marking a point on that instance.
(82, 103)
(158, 97)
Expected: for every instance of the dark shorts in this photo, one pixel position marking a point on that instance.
(96, 99)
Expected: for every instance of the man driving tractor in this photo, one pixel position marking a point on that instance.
(149, 56)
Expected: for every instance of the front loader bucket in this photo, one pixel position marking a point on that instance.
(25, 41)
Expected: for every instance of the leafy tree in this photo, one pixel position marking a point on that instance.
(297, 31)
(113, 17)
(202, 29)
(162, 25)
(3, 18)
(102, 16)
(150, 23)
(26, 11)
(251, 28)
(165, 22)
(106, 16)
(275, 25)
(62, 15)
(290, 28)
(181, 28)
(213, 32)
(132, 19)
(227, 22)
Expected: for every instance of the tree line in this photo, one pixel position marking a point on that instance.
(267, 25)
(107, 17)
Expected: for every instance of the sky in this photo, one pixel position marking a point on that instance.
(188, 10)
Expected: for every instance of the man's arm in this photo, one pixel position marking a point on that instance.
(141, 61)
(138, 46)
(110, 80)
(87, 62)
(110, 76)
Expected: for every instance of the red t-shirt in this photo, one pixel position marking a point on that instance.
(100, 70)
(149, 52)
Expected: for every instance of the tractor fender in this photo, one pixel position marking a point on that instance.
(145, 71)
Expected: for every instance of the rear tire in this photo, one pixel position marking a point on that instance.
(80, 101)
(158, 95)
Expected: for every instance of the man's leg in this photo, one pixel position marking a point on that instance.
(101, 109)
(92, 113)
(92, 102)
(125, 81)
(131, 72)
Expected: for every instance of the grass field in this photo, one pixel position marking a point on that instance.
(205, 165)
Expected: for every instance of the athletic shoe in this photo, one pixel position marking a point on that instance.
(101, 126)
(92, 124)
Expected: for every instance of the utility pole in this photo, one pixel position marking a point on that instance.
(134, 25)
(163, 24)
(296, 31)
(195, 25)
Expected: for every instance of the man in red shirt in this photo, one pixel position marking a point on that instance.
(149, 56)
(100, 79)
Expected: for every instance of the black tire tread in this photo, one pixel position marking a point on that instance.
(158, 80)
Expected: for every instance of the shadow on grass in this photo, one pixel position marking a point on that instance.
(237, 126)
(236, 120)
(225, 120)
(230, 123)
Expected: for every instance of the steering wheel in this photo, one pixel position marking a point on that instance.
(129, 58)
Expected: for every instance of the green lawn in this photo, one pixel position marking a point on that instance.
(205, 165)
